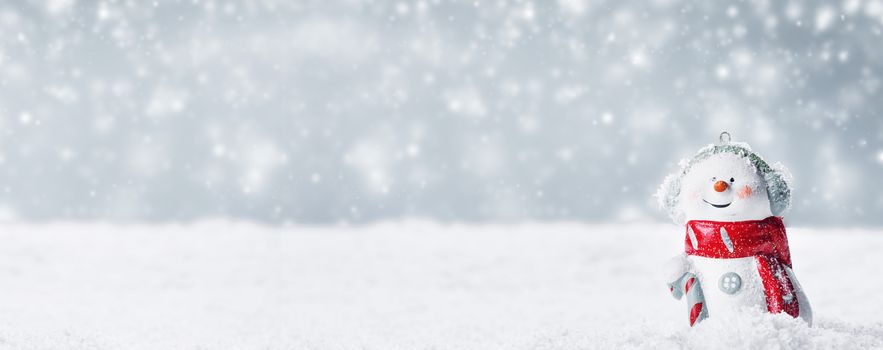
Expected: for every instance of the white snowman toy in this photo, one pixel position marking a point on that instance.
(736, 254)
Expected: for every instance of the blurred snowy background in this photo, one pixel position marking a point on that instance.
(533, 126)
(355, 111)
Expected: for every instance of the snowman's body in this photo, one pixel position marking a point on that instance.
(710, 271)
(725, 188)
(750, 295)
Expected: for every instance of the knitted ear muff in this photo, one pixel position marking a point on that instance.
(778, 189)
(668, 196)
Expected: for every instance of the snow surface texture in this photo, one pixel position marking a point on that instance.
(411, 285)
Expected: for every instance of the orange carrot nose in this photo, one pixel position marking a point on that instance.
(720, 186)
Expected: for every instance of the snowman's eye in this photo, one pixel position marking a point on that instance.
(732, 180)
(713, 179)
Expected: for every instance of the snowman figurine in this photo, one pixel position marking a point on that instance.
(736, 254)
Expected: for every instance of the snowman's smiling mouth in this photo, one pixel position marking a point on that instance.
(717, 205)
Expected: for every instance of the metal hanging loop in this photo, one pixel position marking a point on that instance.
(725, 137)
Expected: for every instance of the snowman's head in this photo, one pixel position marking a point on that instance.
(726, 182)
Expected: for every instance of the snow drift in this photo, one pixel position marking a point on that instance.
(401, 285)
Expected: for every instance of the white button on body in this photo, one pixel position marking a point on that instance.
(730, 283)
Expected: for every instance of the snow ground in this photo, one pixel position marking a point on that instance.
(411, 285)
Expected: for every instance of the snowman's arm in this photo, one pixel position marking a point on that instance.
(675, 269)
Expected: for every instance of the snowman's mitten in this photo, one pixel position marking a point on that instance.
(676, 267)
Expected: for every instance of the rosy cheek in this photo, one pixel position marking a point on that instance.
(745, 192)
(694, 195)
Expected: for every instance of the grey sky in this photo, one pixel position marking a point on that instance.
(353, 111)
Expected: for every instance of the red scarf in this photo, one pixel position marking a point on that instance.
(765, 240)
